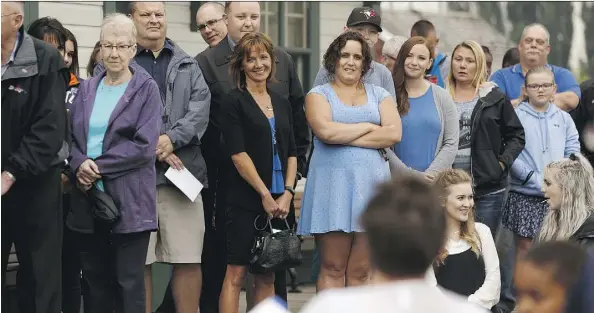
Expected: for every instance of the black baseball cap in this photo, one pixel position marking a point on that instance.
(364, 15)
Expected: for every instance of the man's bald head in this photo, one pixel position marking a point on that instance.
(211, 6)
(229, 3)
(210, 22)
(12, 20)
(9, 7)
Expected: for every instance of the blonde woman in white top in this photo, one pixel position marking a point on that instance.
(468, 264)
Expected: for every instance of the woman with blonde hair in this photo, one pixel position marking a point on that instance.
(569, 189)
(491, 134)
(467, 264)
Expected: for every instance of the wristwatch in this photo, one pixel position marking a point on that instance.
(290, 189)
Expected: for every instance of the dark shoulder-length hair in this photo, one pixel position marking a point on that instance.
(242, 50)
(49, 30)
(92, 63)
(332, 55)
(74, 66)
(399, 75)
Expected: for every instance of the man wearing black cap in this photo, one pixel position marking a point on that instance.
(367, 22)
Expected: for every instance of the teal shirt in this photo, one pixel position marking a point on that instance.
(106, 99)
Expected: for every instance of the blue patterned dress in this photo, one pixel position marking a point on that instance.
(342, 179)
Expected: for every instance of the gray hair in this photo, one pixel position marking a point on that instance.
(119, 24)
(528, 27)
(575, 178)
(393, 45)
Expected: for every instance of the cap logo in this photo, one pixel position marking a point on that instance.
(368, 13)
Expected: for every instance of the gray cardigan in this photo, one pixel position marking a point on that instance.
(447, 143)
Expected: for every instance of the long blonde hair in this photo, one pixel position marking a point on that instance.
(575, 178)
(443, 181)
(481, 66)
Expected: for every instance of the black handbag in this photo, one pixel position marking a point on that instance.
(103, 207)
(275, 251)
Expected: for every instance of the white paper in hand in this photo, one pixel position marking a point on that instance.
(185, 181)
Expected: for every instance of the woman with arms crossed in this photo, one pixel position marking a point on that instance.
(351, 120)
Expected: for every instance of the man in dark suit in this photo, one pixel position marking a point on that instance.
(241, 18)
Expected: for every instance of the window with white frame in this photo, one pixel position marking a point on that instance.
(296, 24)
(269, 23)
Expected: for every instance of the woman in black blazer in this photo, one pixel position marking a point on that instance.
(258, 134)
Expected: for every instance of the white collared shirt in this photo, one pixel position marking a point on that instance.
(412, 296)
(12, 55)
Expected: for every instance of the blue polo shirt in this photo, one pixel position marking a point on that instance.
(511, 79)
(156, 67)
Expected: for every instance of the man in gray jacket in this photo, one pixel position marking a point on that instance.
(186, 101)
(181, 221)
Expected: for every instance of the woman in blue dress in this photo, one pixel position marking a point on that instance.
(350, 120)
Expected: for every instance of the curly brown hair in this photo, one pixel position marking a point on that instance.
(399, 76)
(332, 55)
(260, 42)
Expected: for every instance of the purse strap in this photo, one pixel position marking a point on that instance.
(268, 223)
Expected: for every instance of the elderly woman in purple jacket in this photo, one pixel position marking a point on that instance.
(116, 121)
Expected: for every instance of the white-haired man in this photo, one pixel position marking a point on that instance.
(390, 51)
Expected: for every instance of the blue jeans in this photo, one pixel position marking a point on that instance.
(489, 209)
(507, 300)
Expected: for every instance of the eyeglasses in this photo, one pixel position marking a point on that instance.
(210, 24)
(9, 14)
(389, 57)
(537, 86)
(119, 48)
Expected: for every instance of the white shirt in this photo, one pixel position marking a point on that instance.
(12, 54)
(488, 294)
(410, 296)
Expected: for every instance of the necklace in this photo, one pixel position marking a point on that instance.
(269, 108)
(453, 235)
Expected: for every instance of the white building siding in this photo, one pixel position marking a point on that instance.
(178, 28)
(83, 19)
(333, 17)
